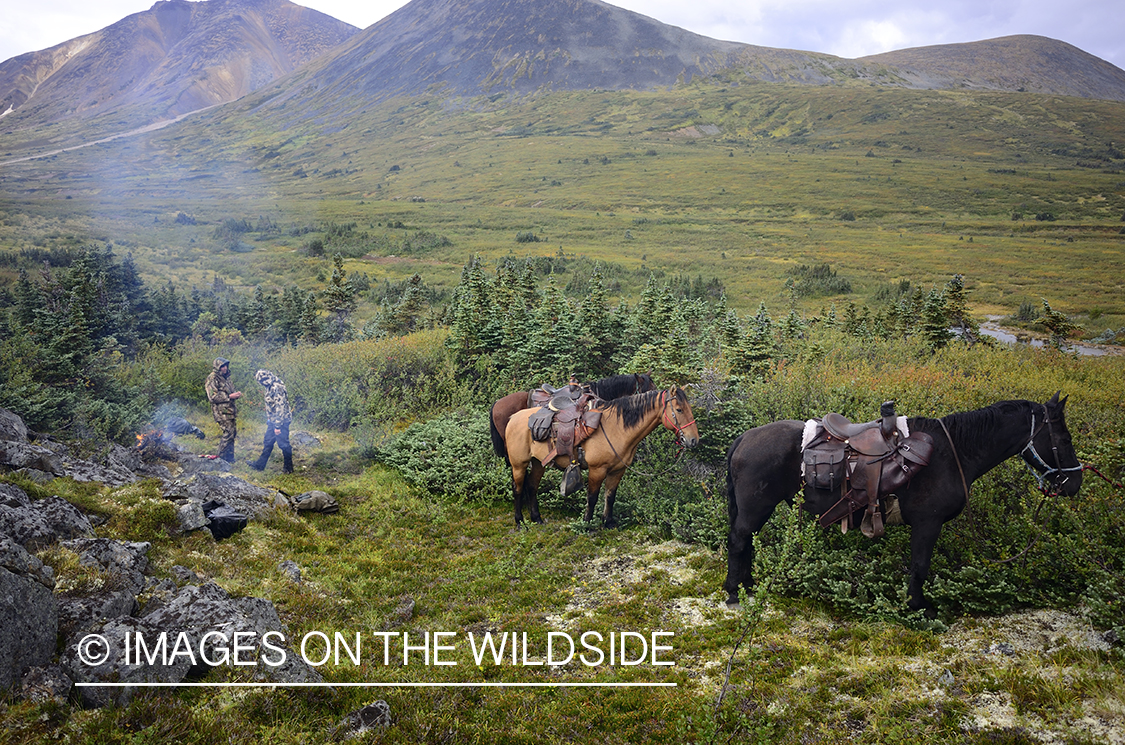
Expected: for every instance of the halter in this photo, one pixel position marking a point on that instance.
(1035, 462)
(675, 425)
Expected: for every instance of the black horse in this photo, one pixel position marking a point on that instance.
(764, 468)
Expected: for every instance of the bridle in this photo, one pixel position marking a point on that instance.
(1035, 462)
(675, 425)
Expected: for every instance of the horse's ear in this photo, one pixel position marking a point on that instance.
(1054, 399)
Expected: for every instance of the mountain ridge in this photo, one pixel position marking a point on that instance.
(176, 57)
(183, 56)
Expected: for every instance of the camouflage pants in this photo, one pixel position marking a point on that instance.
(227, 431)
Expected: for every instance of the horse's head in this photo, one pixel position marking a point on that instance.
(1050, 452)
(678, 418)
(643, 382)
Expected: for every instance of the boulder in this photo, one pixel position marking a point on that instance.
(50, 683)
(13, 496)
(28, 614)
(191, 517)
(12, 427)
(125, 562)
(15, 454)
(88, 659)
(199, 609)
(241, 496)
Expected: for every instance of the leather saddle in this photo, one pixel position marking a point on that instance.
(565, 416)
(864, 462)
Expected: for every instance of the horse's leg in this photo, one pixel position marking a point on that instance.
(754, 510)
(611, 482)
(531, 488)
(923, 538)
(519, 484)
(593, 486)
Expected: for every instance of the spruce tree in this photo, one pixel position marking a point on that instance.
(935, 320)
(340, 299)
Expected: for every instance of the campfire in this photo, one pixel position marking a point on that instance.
(157, 442)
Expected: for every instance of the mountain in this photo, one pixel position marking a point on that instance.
(474, 47)
(182, 56)
(174, 58)
(1034, 64)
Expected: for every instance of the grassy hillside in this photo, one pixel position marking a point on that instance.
(812, 662)
(1022, 194)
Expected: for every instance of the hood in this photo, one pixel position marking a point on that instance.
(266, 378)
(218, 364)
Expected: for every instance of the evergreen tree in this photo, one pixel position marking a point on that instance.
(1058, 325)
(935, 320)
(957, 307)
(471, 313)
(594, 350)
(340, 299)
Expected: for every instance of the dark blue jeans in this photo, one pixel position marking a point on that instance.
(281, 437)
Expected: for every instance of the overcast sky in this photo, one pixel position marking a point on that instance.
(852, 29)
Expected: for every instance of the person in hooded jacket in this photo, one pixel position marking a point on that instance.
(278, 418)
(222, 395)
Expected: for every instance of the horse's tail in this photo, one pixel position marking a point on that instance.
(498, 443)
(732, 503)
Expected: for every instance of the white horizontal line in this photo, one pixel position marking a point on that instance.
(487, 684)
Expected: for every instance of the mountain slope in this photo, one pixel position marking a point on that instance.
(485, 46)
(176, 57)
(1014, 63)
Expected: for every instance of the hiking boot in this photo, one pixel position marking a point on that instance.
(257, 465)
(287, 466)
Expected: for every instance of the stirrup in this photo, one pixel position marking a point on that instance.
(572, 480)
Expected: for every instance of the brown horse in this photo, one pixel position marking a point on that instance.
(615, 386)
(608, 451)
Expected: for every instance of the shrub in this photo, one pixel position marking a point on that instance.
(450, 455)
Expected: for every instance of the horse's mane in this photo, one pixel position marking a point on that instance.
(616, 386)
(974, 428)
(633, 408)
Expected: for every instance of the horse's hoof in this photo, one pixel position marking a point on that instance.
(610, 524)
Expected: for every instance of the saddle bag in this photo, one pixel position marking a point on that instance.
(540, 424)
(825, 465)
(911, 456)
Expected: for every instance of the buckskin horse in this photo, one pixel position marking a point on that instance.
(615, 386)
(608, 451)
(764, 468)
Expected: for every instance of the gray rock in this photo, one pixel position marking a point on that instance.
(191, 517)
(13, 496)
(124, 458)
(41, 522)
(184, 576)
(86, 471)
(29, 625)
(25, 455)
(304, 440)
(26, 527)
(18, 561)
(242, 496)
(113, 668)
(375, 715)
(126, 562)
(199, 609)
(50, 683)
(12, 427)
(65, 520)
(77, 615)
(290, 569)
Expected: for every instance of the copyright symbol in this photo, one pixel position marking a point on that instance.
(93, 650)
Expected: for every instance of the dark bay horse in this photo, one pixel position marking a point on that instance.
(615, 386)
(764, 468)
(609, 450)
